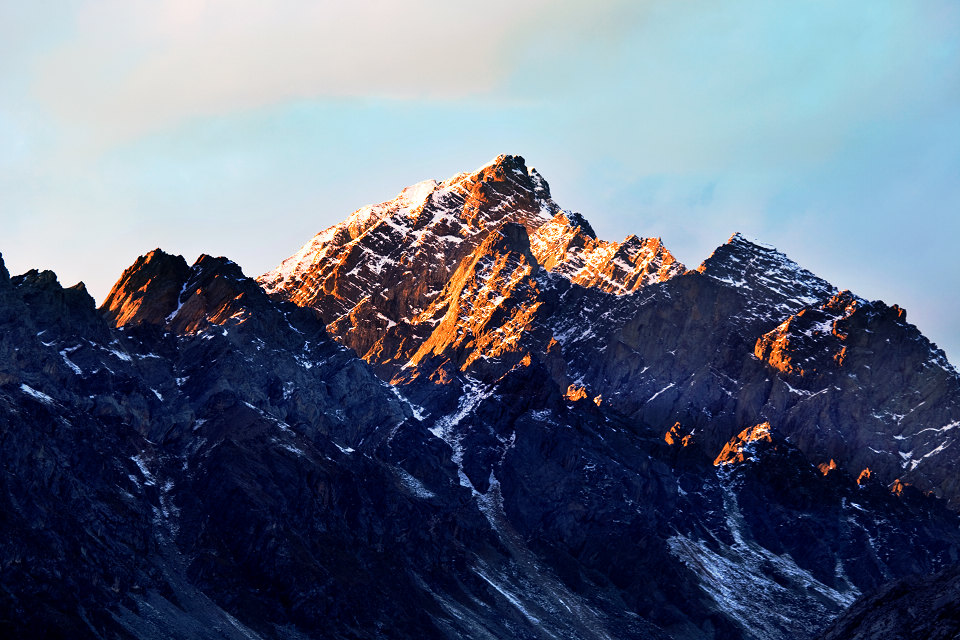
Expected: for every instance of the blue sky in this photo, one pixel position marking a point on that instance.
(830, 130)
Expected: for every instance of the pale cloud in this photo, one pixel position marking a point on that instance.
(131, 67)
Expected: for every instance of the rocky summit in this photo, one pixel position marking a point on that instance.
(460, 414)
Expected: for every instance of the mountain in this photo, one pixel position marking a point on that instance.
(461, 414)
(492, 272)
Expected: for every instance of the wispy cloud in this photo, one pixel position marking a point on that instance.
(133, 66)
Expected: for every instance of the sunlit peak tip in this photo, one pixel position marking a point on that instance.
(739, 239)
(506, 159)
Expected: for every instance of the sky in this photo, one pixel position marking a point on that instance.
(830, 130)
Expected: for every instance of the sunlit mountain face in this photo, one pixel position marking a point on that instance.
(461, 414)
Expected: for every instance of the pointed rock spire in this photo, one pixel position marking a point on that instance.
(160, 274)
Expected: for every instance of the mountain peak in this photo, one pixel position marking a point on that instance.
(160, 289)
(507, 161)
(776, 284)
(435, 219)
(376, 278)
(739, 239)
(4, 274)
(128, 302)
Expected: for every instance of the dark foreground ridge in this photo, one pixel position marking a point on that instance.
(582, 439)
(914, 607)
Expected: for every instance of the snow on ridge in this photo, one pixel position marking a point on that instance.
(749, 581)
(416, 194)
(768, 261)
(355, 226)
(70, 363)
(565, 247)
(138, 459)
(779, 286)
(413, 485)
(654, 396)
(739, 238)
(397, 223)
(38, 395)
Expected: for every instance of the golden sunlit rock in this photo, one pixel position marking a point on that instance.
(576, 392)
(737, 450)
(897, 487)
(826, 467)
(157, 273)
(568, 245)
(676, 435)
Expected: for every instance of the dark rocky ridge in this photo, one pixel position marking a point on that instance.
(211, 471)
(157, 483)
(915, 608)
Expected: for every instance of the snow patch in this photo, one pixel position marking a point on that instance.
(73, 367)
(38, 395)
(413, 485)
(445, 427)
(653, 397)
(119, 354)
(144, 470)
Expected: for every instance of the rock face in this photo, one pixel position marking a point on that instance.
(567, 244)
(461, 414)
(688, 358)
(915, 608)
(216, 467)
(749, 336)
(385, 278)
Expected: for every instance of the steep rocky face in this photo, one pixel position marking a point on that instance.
(474, 325)
(749, 336)
(915, 608)
(568, 245)
(771, 546)
(908, 394)
(215, 473)
(800, 347)
(690, 359)
(376, 276)
(789, 528)
(382, 279)
(66, 547)
(157, 272)
(774, 285)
